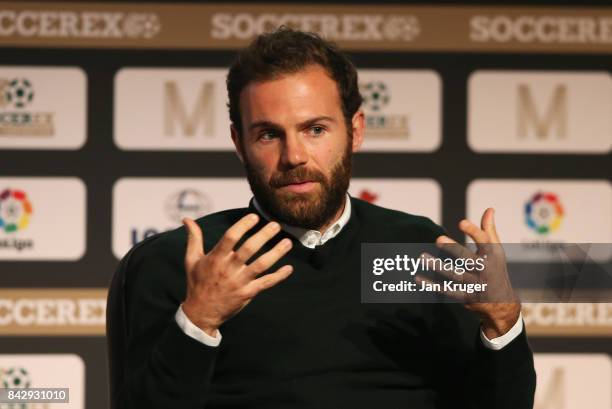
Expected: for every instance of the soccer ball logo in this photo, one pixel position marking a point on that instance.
(375, 95)
(143, 25)
(15, 378)
(19, 92)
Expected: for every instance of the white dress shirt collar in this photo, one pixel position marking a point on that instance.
(313, 238)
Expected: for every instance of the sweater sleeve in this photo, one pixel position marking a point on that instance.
(474, 376)
(162, 366)
(505, 378)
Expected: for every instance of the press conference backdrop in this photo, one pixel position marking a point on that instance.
(113, 127)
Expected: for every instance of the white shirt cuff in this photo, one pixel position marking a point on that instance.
(190, 329)
(498, 343)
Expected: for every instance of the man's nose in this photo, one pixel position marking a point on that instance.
(294, 151)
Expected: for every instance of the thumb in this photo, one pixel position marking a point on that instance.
(195, 243)
(488, 225)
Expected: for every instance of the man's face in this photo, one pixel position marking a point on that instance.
(296, 147)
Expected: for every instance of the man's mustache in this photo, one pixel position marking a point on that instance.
(297, 175)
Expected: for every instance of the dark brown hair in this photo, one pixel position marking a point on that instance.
(287, 51)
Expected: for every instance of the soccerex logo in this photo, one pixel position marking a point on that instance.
(86, 24)
(16, 94)
(381, 122)
(15, 210)
(335, 27)
(544, 212)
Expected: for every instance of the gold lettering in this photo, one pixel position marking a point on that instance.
(556, 115)
(175, 112)
(552, 397)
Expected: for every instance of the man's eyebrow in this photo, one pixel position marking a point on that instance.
(301, 125)
(309, 122)
(264, 124)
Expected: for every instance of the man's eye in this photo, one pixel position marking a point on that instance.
(317, 130)
(267, 135)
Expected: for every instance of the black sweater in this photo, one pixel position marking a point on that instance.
(309, 342)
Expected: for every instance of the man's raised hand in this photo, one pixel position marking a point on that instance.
(220, 283)
(499, 307)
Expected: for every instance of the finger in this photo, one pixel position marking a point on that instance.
(453, 248)
(235, 233)
(269, 280)
(195, 243)
(254, 243)
(488, 224)
(478, 235)
(266, 260)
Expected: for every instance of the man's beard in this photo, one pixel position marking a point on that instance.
(309, 210)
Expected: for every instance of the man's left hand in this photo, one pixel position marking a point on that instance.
(501, 307)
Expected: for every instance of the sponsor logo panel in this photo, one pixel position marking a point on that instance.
(42, 218)
(421, 197)
(355, 27)
(573, 381)
(52, 312)
(534, 212)
(540, 112)
(178, 109)
(402, 110)
(143, 207)
(41, 371)
(42, 107)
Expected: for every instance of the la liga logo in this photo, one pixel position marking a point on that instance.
(15, 210)
(15, 213)
(544, 212)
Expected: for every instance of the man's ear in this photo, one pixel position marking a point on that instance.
(237, 143)
(358, 123)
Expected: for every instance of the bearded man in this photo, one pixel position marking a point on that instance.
(259, 307)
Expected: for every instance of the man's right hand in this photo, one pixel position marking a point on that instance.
(220, 283)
